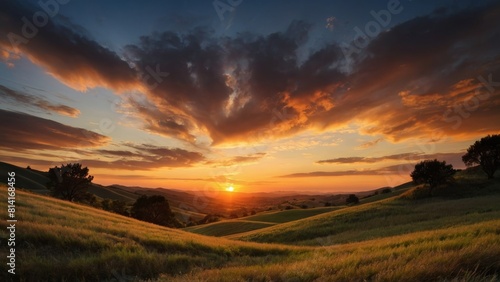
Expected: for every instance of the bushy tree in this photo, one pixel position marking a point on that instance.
(486, 153)
(386, 190)
(154, 209)
(352, 199)
(209, 218)
(69, 182)
(433, 173)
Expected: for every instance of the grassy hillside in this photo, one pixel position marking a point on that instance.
(26, 178)
(36, 180)
(58, 240)
(289, 215)
(228, 227)
(465, 253)
(255, 222)
(475, 202)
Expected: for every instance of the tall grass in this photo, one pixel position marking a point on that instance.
(57, 240)
(460, 253)
(388, 217)
(389, 240)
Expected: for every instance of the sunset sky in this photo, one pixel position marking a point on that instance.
(260, 95)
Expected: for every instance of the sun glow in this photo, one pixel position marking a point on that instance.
(230, 189)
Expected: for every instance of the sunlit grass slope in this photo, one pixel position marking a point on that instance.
(228, 227)
(246, 224)
(390, 217)
(59, 240)
(289, 215)
(465, 253)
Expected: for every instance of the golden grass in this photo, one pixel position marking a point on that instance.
(59, 240)
(390, 240)
(452, 253)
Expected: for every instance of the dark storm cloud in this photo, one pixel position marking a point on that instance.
(21, 132)
(30, 100)
(63, 49)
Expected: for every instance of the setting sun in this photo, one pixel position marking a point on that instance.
(230, 189)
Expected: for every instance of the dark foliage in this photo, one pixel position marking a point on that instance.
(386, 190)
(352, 199)
(209, 218)
(432, 173)
(154, 209)
(486, 153)
(70, 182)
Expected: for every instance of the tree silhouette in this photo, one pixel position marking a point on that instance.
(432, 172)
(352, 199)
(69, 182)
(154, 209)
(486, 153)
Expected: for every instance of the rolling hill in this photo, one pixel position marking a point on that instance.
(255, 222)
(452, 237)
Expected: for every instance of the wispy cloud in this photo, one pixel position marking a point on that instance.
(10, 95)
(370, 144)
(21, 132)
(145, 157)
(396, 157)
(236, 160)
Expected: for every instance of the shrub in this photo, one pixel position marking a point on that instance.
(352, 199)
(433, 173)
(154, 209)
(386, 191)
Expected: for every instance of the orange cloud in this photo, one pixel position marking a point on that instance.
(249, 87)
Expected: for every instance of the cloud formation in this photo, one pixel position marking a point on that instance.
(63, 49)
(10, 95)
(397, 157)
(22, 132)
(237, 160)
(431, 74)
(145, 157)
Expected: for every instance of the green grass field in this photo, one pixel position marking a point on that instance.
(228, 227)
(289, 215)
(255, 222)
(59, 240)
(390, 217)
(444, 238)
